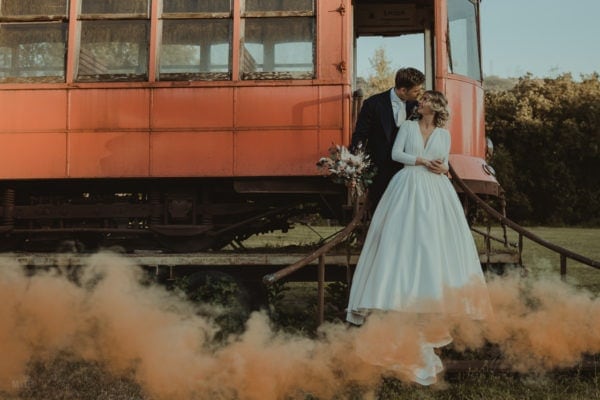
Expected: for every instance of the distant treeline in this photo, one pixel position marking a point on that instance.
(546, 135)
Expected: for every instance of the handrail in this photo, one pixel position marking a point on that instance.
(320, 253)
(269, 279)
(564, 253)
(484, 234)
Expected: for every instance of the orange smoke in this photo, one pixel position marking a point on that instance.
(542, 324)
(111, 318)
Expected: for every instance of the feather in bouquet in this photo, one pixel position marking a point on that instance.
(353, 169)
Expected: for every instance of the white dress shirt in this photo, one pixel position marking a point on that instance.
(399, 108)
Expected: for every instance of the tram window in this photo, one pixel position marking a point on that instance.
(114, 41)
(32, 52)
(129, 7)
(195, 6)
(33, 40)
(463, 45)
(113, 51)
(196, 49)
(196, 40)
(279, 5)
(40, 8)
(278, 40)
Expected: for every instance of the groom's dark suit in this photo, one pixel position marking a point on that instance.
(376, 128)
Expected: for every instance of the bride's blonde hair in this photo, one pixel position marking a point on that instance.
(439, 105)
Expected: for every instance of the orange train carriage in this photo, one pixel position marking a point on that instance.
(194, 124)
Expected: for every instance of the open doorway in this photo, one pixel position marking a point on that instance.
(403, 29)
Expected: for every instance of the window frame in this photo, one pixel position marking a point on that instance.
(39, 17)
(474, 31)
(61, 21)
(74, 21)
(190, 16)
(283, 75)
(83, 18)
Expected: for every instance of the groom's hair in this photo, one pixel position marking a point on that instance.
(409, 78)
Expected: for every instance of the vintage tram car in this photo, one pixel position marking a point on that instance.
(193, 124)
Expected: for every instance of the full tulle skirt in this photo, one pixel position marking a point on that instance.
(419, 256)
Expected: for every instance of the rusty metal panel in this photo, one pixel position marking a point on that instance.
(108, 154)
(109, 109)
(391, 18)
(465, 99)
(33, 110)
(272, 106)
(32, 155)
(327, 138)
(192, 108)
(191, 154)
(275, 153)
(474, 169)
(333, 49)
(331, 101)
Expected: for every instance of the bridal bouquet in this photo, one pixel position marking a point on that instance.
(355, 170)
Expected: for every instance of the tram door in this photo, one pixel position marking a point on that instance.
(404, 29)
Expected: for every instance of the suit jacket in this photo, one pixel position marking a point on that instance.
(376, 129)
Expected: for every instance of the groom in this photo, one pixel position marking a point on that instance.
(378, 122)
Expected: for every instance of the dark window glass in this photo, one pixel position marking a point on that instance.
(277, 48)
(113, 50)
(114, 7)
(463, 42)
(279, 5)
(19, 8)
(193, 48)
(196, 6)
(32, 52)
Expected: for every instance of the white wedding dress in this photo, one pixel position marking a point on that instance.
(419, 251)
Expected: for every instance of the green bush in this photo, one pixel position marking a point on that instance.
(546, 134)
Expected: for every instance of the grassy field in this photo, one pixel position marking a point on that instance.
(62, 380)
(76, 380)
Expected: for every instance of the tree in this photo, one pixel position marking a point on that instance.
(493, 82)
(547, 138)
(382, 77)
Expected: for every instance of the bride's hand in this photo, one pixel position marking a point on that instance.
(424, 162)
(437, 167)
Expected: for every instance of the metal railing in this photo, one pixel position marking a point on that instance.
(564, 253)
(359, 211)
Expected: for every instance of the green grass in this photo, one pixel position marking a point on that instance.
(539, 260)
(300, 235)
(70, 379)
(489, 385)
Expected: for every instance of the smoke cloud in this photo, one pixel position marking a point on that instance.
(111, 316)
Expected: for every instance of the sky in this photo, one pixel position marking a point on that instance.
(542, 37)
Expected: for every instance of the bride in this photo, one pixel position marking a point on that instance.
(419, 252)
